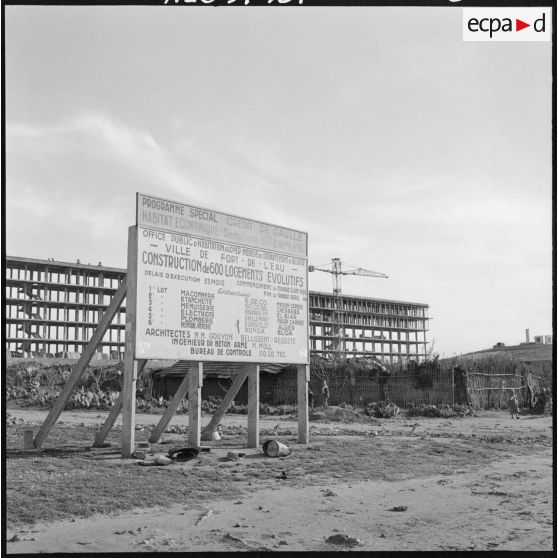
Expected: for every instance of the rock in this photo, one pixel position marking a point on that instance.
(398, 509)
(203, 516)
(232, 538)
(342, 539)
(233, 456)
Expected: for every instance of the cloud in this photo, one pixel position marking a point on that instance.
(446, 241)
(75, 182)
(93, 136)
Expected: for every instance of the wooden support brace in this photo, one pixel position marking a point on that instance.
(303, 377)
(169, 412)
(195, 382)
(229, 397)
(253, 405)
(113, 414)
(109, 423)
(81, 365)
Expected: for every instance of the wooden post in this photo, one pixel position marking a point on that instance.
(303, 377)
(113, 414)
(169, 412)
(130, 363)
(28, 440)
(81, 365)
(195, 381)
(253, 405)
(229, 397)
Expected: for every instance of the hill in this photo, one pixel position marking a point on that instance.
(525, 352)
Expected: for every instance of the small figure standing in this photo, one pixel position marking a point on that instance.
(513, 405)
(548, 405)
(325, 395)
(310, 398)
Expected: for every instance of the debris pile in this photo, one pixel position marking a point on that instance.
(442, 411)
(337, 414)
(382, 409)
(145, 458)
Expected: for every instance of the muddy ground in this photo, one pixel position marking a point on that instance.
(472, 483)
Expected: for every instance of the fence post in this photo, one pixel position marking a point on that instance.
(452, 387)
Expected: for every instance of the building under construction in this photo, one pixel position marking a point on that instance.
(388, 330)
(52, 309)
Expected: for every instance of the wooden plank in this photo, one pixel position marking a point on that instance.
(303, 377)
(195, 381)
(130, 363)
(253, 405)
(113, 415)
(170, 410)
(228, 399)
(81, 365)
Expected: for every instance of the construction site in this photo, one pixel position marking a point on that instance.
(367, 349)
(209, 367)
(53, 308)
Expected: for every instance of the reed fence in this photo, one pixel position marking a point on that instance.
(492, 391)
(431, 388)
(429, 385)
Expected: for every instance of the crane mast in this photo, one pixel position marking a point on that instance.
(336, 271)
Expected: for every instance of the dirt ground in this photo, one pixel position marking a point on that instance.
(504, 502)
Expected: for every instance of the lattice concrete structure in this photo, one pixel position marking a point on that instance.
(388, 330)
(52, 309)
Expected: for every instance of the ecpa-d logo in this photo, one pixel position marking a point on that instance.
(507, 24)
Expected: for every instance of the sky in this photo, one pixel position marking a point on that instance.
(394, 144)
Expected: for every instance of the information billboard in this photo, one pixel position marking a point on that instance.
(215, 287)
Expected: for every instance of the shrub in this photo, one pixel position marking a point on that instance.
(440, 411)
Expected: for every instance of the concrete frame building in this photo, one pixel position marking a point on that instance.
(388, 330)
(52, 309)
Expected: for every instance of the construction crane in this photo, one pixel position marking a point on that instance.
(337, 270)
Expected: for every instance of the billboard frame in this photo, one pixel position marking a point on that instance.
(192, 383)
(250, 371)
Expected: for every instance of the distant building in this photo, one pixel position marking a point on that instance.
(545, 339)
(52, 309)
